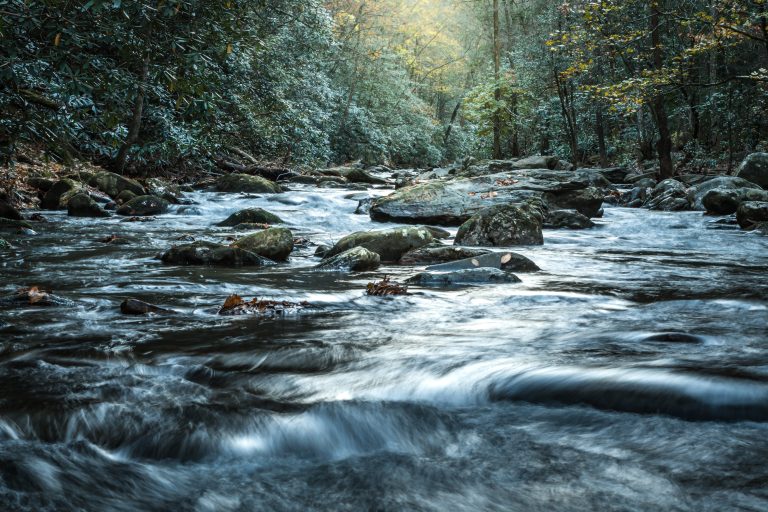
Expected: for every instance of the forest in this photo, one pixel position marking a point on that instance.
(383, 255)
(144, 87)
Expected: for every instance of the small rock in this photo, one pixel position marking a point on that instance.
(439, 253)
(251, 216)
(570, 219)
(358, 259)
(500, 260)
(463, 277)
(143, 206)
(137, 307)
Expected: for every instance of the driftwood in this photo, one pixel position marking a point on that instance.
(251, 166)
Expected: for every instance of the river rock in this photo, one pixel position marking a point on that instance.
(112, 184)
(273, 243)
(725, 202)
(696, 193)
(504, 225)
(452, 202)
(251, 216)
(125, 196)
(207, 253)
(752, 213)
(358, 259)
(10, 224)
(82, 205)
(500, 260)
(570, 219)
(247, 183)
(7, 211)
(364, 206)
(439, 253)
(754, 168)
(143, 206)
(361, 176)
(389, 244)
(137, 307)
(56, 198)
(669, 195)
(463, 277)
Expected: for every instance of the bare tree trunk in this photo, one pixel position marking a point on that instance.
(450, 125)
(664, 144)
(497, 89)
(600, 132)
(134, 128)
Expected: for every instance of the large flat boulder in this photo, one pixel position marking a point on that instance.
(437, 253)
(211, 254)
(452, 202)
(500, 260)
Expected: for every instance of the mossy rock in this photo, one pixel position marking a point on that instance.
(143, 206)
(503, 226)
(211, 254)
(247, 183)
(390, 244)
(273, 243)
(59, 193)
(358, 259)
(251, 216)
(112, 184)
(81, 205)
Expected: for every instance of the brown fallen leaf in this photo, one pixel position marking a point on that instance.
(33, 294)
(506, 182)
(236, 305)
(386, 287)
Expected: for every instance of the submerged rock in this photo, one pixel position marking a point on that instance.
(752, 213)
(463, 277)
(247, 183)
(137, 307)
(499, 260)
(570, 219)
(273, 243)
(207, 253)
(82, 205)
(503, 226)
(143, 206)
(9, 224)
(755, 169)
(725, 202)
(439, 253)
(389, 244)
(251, 216)
(235, 305)
(358, 259)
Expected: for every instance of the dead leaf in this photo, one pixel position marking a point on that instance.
(386, 287)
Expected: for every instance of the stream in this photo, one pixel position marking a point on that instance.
(631, 373)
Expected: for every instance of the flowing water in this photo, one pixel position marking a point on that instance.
(630, 374)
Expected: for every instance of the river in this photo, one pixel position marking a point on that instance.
(631, 373)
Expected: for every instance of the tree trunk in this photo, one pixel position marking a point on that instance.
(135, 125)
(664, 144)
(450, 125)
(497, 88)
(600, 132)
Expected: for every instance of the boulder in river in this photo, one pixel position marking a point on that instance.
(754, 168)
(752, 213)
(143, 206)
(439, 253)
(360, 176)
(7, 211)
(484, 275)
(82, 205)
(726, 201)
(125, 196)
(207, 253)
(500, 260)
(247, 183)
(251, 216)
(273, 243)
(389, 244)
(669, 195)
(358, 259)
(697, 192)
(57, 196)
(137, 307)
(452, 202)
(113, 184)
(504, 225)
(570, 219)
